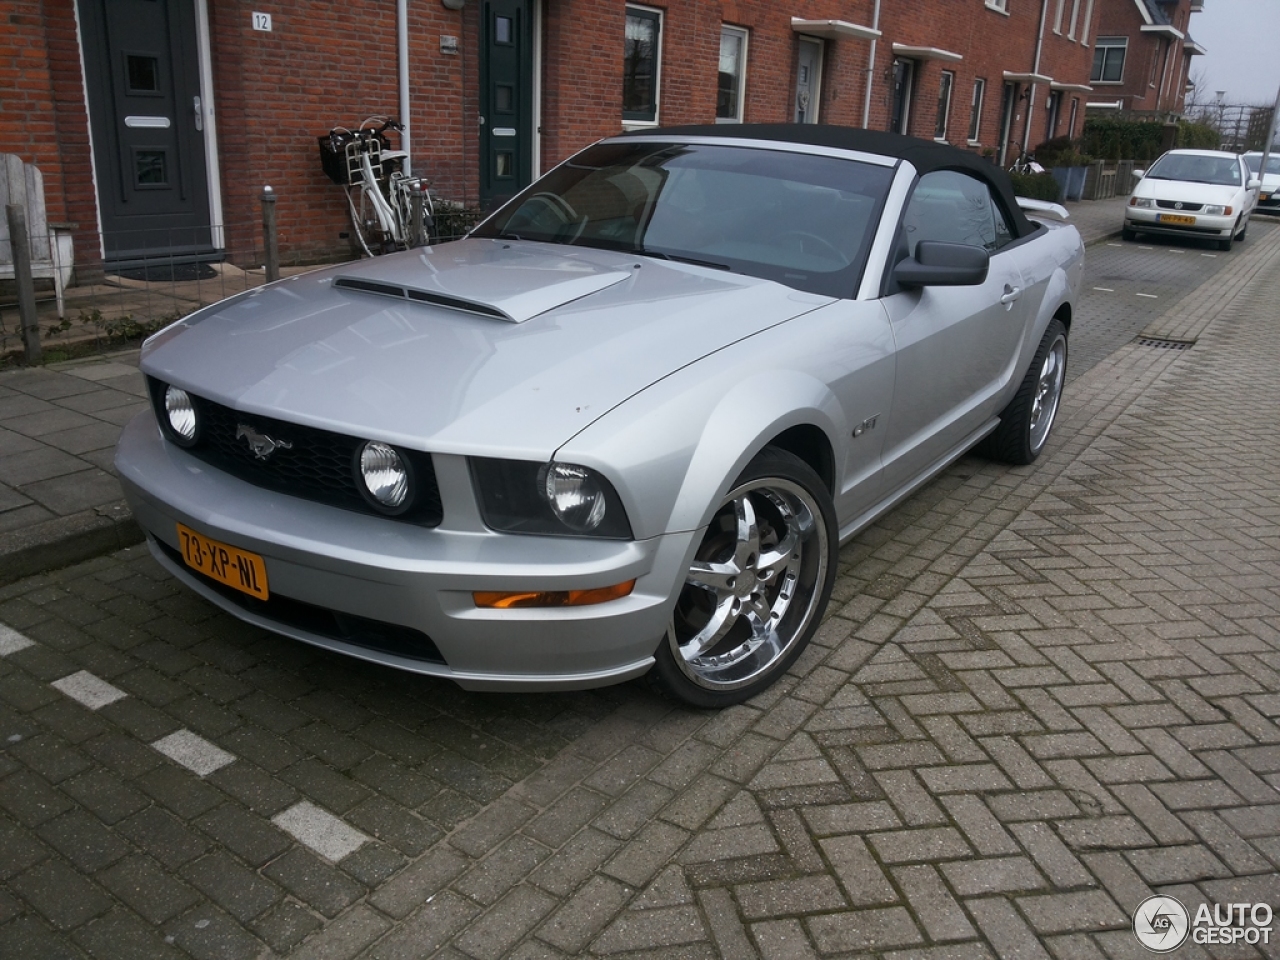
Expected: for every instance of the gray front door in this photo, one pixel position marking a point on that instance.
(506, 99)
(808, 78)
(143, 78)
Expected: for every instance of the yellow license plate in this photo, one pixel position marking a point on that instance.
(238, 569)
(1176, 218)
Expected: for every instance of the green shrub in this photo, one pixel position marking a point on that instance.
(1037, 186)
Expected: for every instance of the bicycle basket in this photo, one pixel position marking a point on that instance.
(341, 153)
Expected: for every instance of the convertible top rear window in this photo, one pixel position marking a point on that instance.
(802, 220)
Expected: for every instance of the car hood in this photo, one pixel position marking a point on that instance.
(473, 347)
(1186, 191)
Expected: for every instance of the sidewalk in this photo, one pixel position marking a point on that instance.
(59, 501)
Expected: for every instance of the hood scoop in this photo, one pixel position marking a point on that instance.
(510, 288)
(421, 296)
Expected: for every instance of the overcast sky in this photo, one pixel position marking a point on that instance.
(1243, 40)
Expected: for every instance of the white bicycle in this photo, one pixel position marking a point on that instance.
(384, 203)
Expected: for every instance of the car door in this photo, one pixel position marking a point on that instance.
(956, 345)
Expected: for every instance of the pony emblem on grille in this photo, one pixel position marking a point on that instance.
(261, 445)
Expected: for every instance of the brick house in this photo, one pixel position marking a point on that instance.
(157, 122)
(1142, 57)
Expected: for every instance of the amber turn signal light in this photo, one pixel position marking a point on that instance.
(507, 600)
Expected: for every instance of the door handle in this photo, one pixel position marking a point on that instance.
(1010, 294)
(198, 109)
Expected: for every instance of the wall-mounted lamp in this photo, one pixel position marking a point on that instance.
(454, 4)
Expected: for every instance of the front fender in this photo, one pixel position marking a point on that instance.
(673, 451)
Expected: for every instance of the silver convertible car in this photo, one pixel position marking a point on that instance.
(621, 429)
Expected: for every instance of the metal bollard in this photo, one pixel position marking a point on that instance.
(270, 236)
(20, 242)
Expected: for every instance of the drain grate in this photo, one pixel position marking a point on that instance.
(1162, 344)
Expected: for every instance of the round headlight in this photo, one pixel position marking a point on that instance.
(181, 413)
(384, 474)
(576, 496)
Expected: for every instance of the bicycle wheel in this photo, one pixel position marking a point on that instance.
(362, 229)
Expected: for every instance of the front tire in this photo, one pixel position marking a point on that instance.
(1025, 423)
(756, 590)
(1128, 233)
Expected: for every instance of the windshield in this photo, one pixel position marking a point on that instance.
(1197, 169)
(1255, 162)
(802, 220)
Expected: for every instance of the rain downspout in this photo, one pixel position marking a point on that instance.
(1031, 94)
(871, 69)
(402, 45)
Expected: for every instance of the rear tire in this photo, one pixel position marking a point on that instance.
(1026, 422)
(756, 590)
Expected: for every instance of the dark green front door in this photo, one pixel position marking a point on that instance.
(506, 99)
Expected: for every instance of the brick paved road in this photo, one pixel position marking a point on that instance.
(1042, 694)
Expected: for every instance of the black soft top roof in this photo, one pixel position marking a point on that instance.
(925, 155)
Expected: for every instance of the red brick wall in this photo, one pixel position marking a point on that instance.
(326, 63)
(28, 122)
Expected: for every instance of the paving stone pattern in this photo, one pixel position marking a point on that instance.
(1041, 695)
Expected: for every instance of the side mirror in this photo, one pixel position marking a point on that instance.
(1139, 174)
(1253, 184)
(939, 264)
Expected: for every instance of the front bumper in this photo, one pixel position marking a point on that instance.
(353, 570)
(1147, 220)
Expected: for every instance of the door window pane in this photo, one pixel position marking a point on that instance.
(975, 111)
(944, 105)
(502, 30)
(503, 165)
(150, 168)
(504, 98)
(640, 65)
(732, 76)
(143, 74)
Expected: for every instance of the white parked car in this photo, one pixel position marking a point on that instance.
(1208, 194)
(1269, 198)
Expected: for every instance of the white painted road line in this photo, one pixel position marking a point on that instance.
(11, 641)
(194, 752)
(320, 830)
(1105, 289)
(1149, 296)
(89, 690)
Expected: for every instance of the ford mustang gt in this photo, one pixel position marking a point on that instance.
(620, 430)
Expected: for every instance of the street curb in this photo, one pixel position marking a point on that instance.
(66, 540)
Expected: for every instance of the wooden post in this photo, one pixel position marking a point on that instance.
(270, 237)
(18, 239)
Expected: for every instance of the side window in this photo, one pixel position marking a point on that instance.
(956, 208)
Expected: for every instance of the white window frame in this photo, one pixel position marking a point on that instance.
(1075, 13)
(1088, 19)
(999, 6)
(946, 90)
(745, 36)
(1057, 17)
(631, 122)
(975, 109)
(1109, 43)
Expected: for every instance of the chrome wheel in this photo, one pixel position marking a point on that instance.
(758, 581)
(1048, 391)
(1025, 423)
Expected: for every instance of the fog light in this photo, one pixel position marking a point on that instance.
(385, 477)
(181, 413)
